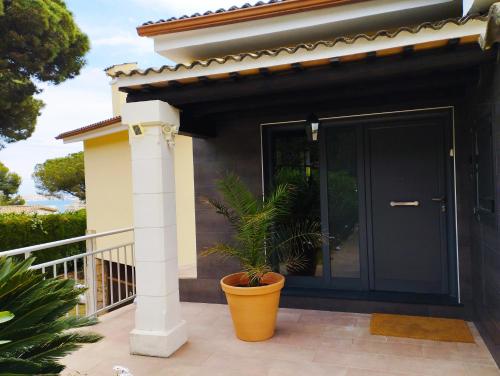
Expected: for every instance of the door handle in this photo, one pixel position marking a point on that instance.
(439, 199)
(442, 201)
(404, 203)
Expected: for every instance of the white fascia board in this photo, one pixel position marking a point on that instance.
(476, 6)
(381, 10)
(109, 129)
(449, 31)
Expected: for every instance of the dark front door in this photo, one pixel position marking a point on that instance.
(380, 185)
(407, 200)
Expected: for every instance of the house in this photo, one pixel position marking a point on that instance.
(387, 110)
(27, 209)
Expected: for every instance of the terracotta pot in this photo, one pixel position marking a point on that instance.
(253, 309)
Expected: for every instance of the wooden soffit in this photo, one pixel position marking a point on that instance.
(238, 15)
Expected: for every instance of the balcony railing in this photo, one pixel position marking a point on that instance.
(107, 273)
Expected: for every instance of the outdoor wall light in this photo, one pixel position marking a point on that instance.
(169, 132)
(137, 129)
(312, 127)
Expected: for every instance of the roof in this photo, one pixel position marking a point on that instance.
(28, 209)
(118, 64)
(492, 34)
(220, 10)
(306, 47)
(90, 127)
(234, 14)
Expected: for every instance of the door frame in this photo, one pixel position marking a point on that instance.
(446, 113)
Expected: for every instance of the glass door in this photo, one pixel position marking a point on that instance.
(325, 174)
(343, 209)
(293, 160)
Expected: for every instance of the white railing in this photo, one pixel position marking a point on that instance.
(108, 273)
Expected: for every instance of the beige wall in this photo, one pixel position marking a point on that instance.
(109, 193)
(109, 186)
(184, 193)
(119, 98)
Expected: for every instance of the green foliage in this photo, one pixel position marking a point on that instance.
(39, 40)
(59, 176)
(307, 201)
(18, 108)
(305, 207)
(39, 334)
(261, 235)
(6, 316)
(9, 185)
(22, 230)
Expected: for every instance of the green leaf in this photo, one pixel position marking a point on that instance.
(39, 334)
(5, 316)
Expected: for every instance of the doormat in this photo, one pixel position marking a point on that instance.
(431, 328)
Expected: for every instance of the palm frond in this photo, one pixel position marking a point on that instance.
(259, 231)
(280, 199)
(298, 234)
(237, 195)
(255, 273)
(37, 337)
(220, 208)
(222, 250)
(13, 366)
(5, 316)
(59, 346)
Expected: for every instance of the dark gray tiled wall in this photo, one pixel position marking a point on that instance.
(486, 233)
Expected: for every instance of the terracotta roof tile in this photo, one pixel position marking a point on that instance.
(115, 65)
(90, 127)
(221, 10)
(305, 46)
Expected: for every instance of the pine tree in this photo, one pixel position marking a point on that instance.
(39, 42)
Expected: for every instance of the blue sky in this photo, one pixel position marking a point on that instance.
(110, 25)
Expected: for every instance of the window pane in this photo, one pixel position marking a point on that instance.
(343, 215)
(296, 162)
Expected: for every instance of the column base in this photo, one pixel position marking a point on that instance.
(159, 344)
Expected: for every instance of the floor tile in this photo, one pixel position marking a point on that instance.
(306, 343)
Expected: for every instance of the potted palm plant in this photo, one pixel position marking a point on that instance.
(261, 240)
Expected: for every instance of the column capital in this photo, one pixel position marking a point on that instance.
(150, 113)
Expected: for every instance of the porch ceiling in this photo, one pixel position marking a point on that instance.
(422, 37)
(447, 62)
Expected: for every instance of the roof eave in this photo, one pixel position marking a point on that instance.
(469, 28)
(99, 129)
(236, 16)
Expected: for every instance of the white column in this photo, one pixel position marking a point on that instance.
(159, 328)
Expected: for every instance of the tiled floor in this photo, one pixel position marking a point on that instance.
(309, 343)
